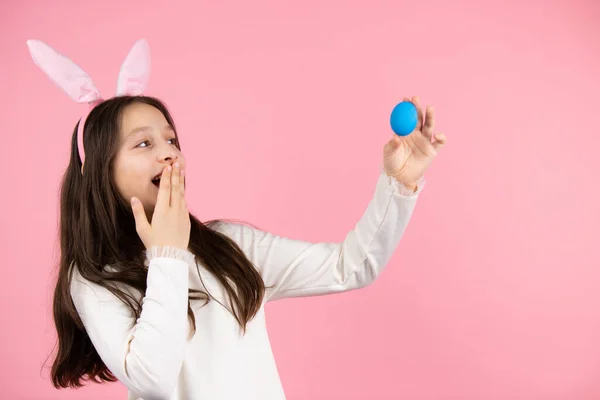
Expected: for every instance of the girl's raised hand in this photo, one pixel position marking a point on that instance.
(171, 220)
(406, 158)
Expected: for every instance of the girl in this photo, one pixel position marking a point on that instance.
(170, 306)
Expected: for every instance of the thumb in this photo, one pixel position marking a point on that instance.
(141, 222)
(392, 145)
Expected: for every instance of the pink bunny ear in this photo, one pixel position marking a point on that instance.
(135, 70)
(133, 77)
(64, 72)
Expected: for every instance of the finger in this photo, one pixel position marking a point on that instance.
(429, 124)
(181, 198)
(183, 206)
(175, 185)
(182, 188)
(141, 221)
(440, 141)
(164, 189)
(417, 103)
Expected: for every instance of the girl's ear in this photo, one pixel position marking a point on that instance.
(63, 72)
(135, 70)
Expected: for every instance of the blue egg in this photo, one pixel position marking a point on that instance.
(404, 118)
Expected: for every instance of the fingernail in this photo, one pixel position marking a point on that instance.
(134, 200)
(176, 165)
(181, 172)
(169, 168)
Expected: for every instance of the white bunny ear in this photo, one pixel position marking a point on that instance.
(63, 72)
(135, 70)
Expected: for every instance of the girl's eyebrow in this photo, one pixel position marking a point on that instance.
(146, 128)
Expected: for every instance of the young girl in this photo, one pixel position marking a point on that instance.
(170, 306)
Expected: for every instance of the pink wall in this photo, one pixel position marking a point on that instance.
(283, 110)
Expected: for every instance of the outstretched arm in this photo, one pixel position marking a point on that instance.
(297, 268)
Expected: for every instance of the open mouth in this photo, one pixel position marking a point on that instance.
(156, 180)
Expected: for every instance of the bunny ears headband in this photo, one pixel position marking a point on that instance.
(132, 80)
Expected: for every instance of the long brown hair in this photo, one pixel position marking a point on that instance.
(97, 229)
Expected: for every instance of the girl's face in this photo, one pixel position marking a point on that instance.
(147, 145)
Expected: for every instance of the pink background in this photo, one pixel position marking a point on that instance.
(283, 110)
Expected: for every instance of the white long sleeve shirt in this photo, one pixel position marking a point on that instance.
(157, 357)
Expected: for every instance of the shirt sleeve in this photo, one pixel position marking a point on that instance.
(295, 268)
(146, 354)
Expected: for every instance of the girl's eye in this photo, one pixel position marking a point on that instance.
(146, 143)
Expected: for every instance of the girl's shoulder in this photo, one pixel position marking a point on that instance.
(234, 229)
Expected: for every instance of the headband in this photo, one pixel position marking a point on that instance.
(132, 79)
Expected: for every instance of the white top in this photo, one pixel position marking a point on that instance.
(156, 357)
